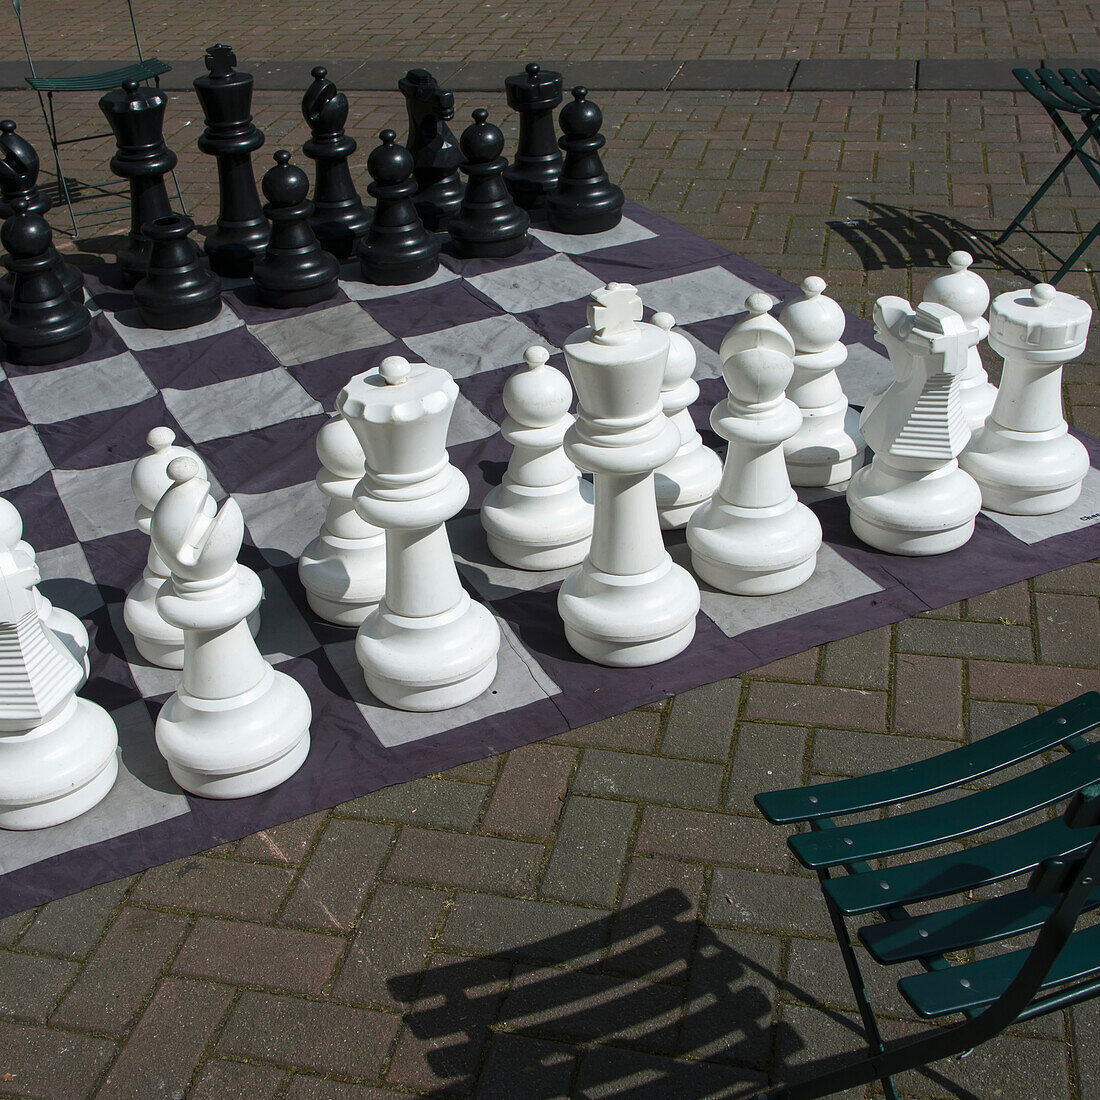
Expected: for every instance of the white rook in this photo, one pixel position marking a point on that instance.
(427, 646)
(628, 604)
(1024, 459)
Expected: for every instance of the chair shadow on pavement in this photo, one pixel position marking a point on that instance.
(895, 237)
(645, 1003)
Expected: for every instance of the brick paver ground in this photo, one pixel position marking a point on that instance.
(603, 914)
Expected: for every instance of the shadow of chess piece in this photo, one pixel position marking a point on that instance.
(42, 325)
(489, 223)
(533, 174)
(338, 217)
(179, 289)
(585, 200)
(433, 147)
(242, 231)
(136, 116)
(19, 180)
(398, 249)
(295, 270)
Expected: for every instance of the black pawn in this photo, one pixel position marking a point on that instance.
(398, 250)
(433, 147)
(19, 180)
(179, 289)
(338, 218)
(226, 98)
(136, 115)
(295, 270)
(489, 223)
(43, 324)
(585, 200)
(534, 172)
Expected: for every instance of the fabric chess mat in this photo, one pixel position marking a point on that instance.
(249, 391)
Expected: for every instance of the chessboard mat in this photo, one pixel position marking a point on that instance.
(249, 391)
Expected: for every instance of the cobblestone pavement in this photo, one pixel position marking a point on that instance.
(511, 929)
(575, 29)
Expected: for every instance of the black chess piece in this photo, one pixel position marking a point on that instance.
(179, 289)
(338, 218)
(242, 231)
(19, 180)
(585, 200)
(398, 250)
(42, 325)
(489, 223)
(433, 147)
(136, 115)
(534, 172)
(295, 270)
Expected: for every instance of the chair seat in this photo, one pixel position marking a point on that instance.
(101, 82)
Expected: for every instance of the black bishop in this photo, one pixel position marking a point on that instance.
(489, 222)
(295, 270)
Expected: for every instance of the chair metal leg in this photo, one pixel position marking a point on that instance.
(51, 130)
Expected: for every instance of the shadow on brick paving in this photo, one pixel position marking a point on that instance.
(894, 237)
(598, 1011)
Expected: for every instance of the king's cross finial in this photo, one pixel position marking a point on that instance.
(220, 60)
(614, 309)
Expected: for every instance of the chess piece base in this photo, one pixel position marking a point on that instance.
(889, 509)
(822, 455)
(472, 248)
(400, 274)
(629, 621)
(28, 352)
(429, 663)
(232, 748)
(278, 298)
(344, 580)
(684, 484)
(748, 552)
(57, 770)
(1022, 475)
(529, 528)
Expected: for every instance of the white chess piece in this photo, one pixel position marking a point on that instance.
(158, 642)
(913, 498)
(427, 646)
(235, 726)
(754, 537)
(628, 604)
(1024, 460)
(689, 477)
(966, 292)
(343, 570)
(70, 631)
(540, 516)
(827, 447)
(58, 752)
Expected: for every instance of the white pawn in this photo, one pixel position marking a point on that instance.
(966, 292)
(1024, 459)
(826, 448)
(754, 537)
(158, 642)
(540, 516)
(58, 752)
(913, 498)
(70, 631)
(628, 604)
(427, 646)
(343, 570)
(235, 726)
(687, 479)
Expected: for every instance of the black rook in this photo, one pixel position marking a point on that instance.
(533, 174)
(136, 115)
(179, 289)
(226, 99)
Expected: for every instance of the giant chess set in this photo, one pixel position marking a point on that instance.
(422, 555)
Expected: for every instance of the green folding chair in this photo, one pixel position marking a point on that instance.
(1059, 969)
(143, 70)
